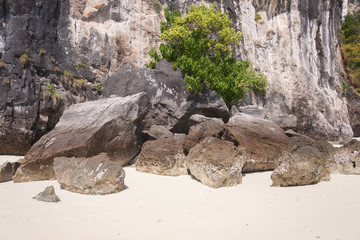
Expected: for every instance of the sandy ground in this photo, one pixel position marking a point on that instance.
(160, 207)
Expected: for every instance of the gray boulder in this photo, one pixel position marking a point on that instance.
(95, 175)
(172, 104)
(307, 162)
(158, 131)
(288, 121)
(347, 158)
(48, 195)
(163, 157)
(111, 125)
(216, 163)
(263, 141)
(7, 171)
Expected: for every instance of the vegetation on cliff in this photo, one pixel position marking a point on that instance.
(350, 48)
(201, 43)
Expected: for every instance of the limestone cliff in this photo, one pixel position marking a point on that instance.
(293, 42)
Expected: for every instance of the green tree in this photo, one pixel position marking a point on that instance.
(350, 47)
(201, 44)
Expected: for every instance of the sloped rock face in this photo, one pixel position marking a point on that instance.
(216, 163)
(163, 157)
(111, 125)
(172, 105)
(347, 158)
(263, 141)
(307, 162)
(95, 175)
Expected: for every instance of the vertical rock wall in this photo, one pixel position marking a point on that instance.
(294, 43)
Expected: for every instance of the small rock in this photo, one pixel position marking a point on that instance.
(7, 171)
(347, 159)
(48, 195)
(158, 131)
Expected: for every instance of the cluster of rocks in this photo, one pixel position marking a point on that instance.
(149, 119)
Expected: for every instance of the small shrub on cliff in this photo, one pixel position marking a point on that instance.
(42, 52)
(201, 44)
(350, 47)
(24, 59)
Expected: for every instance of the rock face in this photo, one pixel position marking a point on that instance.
(307, 162)
(263, 141)
(216, 163)
(294, 44)
(172, 105)
(95, 175)
(7, 171)
(111, 125)
(347, 158)
(163, 157)
(48, 195)
(34, 53)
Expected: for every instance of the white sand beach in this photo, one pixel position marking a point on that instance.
(160, 207)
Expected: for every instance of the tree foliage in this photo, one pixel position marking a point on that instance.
(350, 47)
(201, 44)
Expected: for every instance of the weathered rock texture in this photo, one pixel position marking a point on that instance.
(172, 105)
(307, 162)
(263, 141)
(216, 163)
(33, 88)
(294, 44)
(347, 158)
(48, 195)
(95, 175)
(163, 157)
(7, 171)
(111, 125)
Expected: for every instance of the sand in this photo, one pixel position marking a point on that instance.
(160, 207)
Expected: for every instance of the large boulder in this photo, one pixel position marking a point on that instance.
(263, 141)
(216, 163)
(347, 158)
(95, 175)
(111, 125)
(163, 157)
(172, 104)
(307, 162)
(7, 171)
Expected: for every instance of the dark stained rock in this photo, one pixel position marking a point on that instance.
(354, 111)
(347, 158)
(163, 157)
(95, 175)
(27, 109)
(111, 125)
(307, 162)
(216, 163)
(172, 104)
(48, 195)
(263, 141)
(7, 171)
